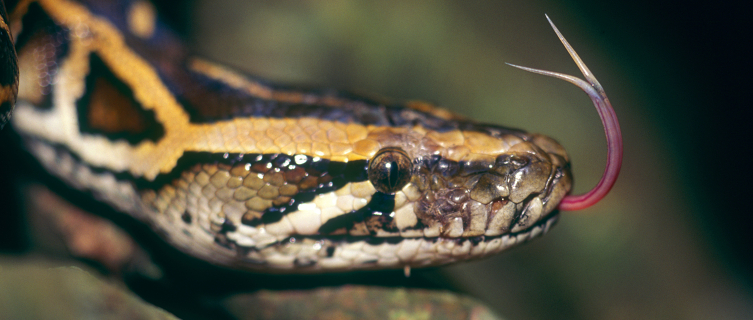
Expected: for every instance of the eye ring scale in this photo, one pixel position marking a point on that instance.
(390, 169)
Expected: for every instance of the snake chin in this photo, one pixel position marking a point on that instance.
(313, 254)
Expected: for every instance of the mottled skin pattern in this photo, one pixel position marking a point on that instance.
(8, 69)
(252, 175)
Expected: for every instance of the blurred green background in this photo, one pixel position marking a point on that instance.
(670, 242)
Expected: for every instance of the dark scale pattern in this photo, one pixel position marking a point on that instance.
(54, 41)
(354, 170)
(108, 108)
(3, 12)
(162, 42)
(115, 11)
(376, 215)
(208, 100)
(311, 176)
(266, 186)
(8, 65)
(5, 109)
(8, 69)
(441, 182)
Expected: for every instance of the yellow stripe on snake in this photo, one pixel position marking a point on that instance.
(252, 175)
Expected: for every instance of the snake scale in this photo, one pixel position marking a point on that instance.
(252, 175)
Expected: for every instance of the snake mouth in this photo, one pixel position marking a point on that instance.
(342, 252)
(454, 213)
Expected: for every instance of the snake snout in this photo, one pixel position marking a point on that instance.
(512, 177)
(487, 195)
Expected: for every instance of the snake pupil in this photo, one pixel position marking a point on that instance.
(394, 174)
(390, 170)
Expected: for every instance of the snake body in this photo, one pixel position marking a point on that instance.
(252, 175)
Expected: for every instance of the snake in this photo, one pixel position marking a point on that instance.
(249, 174)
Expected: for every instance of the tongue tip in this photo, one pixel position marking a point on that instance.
(611, 128)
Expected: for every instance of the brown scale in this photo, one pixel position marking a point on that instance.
(108, 107)
(110, 112)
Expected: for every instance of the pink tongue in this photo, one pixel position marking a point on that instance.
(611, 129)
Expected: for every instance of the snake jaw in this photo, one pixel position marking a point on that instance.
(595, 91)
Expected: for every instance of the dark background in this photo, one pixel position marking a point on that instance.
(671, 241)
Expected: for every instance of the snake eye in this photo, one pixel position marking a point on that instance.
(390, 169)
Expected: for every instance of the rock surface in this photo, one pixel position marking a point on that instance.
(35, 289)
(32, 290)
